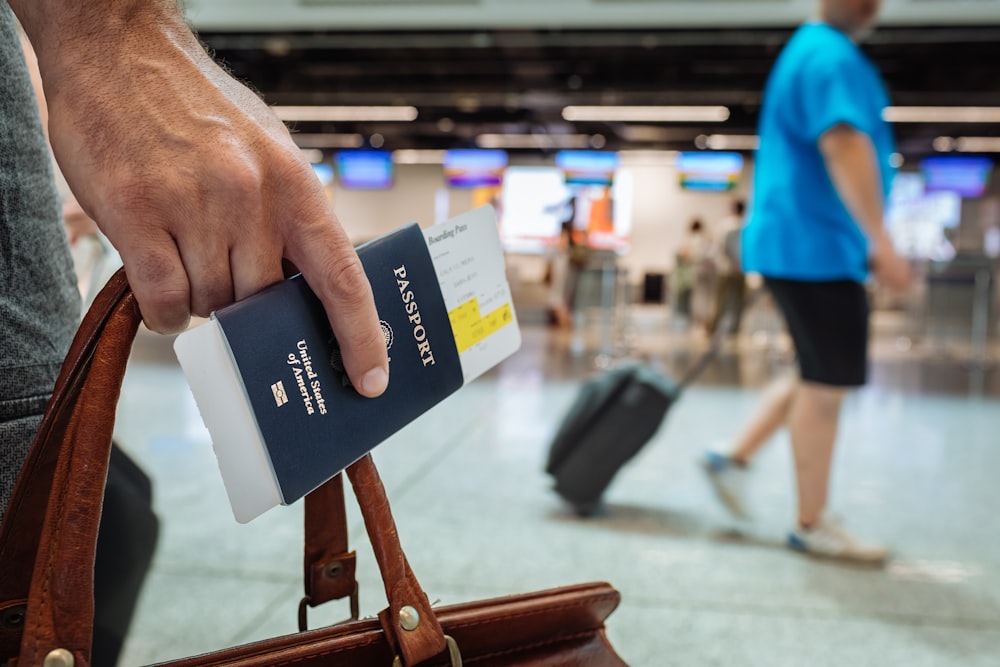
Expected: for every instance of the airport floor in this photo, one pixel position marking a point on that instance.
(916, 468)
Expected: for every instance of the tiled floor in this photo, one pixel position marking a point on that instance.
(916, 467)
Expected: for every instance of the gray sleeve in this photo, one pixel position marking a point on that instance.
(39, 298)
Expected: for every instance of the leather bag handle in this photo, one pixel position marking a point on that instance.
(39, 503)
(49, 535)
(329, 568)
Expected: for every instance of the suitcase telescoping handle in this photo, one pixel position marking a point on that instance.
(715, 344)
(49, 534)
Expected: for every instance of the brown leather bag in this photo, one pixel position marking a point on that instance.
(48, 537)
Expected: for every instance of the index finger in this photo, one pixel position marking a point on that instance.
(330, 265)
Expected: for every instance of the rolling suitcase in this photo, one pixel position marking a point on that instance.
(609, 421)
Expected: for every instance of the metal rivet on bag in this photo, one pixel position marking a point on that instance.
(409, 618)
(59, 657)
(334, 570)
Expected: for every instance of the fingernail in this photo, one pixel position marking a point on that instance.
(374, 381)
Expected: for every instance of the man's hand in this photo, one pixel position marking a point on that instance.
(890, 268)
(853, 166)
(189, 174)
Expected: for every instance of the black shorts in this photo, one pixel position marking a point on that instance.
(828, 323)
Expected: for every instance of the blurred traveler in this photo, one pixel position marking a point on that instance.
(814, 231)
(730, 283)
(691, 271)
(571, 259)
(191, 177)
(559, 279)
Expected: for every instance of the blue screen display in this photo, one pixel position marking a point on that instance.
(712, 171)
(587, 167)
(965, 175)
(364, 169)
(474, 167)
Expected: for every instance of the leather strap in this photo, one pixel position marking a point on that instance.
(329, 568)
(401, 587)
(49, 534)
(39, 504)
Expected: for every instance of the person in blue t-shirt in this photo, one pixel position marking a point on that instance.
(814, 233)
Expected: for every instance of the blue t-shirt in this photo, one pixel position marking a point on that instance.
(798, 228)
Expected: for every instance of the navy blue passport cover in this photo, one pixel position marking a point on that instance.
(312, 421)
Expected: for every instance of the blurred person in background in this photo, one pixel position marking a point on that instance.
(557, 277)
(730, 283)
(567, 264)
(814, 233)
(691, 274)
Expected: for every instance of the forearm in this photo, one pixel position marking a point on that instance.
(113, 64)
(853, 167)
(100, 35)
(54, 24)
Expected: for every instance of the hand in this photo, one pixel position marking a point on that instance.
(889, 267)
(197, 184)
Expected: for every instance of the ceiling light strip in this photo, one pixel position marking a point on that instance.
(978, 144)
(418, 156)
(729, 142)
(346, 113)
(941, 114)
(328, 140)
(538, 141)
(647, 114)
(967, 144)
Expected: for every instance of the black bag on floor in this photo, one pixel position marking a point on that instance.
(126, 543)
(612, 417)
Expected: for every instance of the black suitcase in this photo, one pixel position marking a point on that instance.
(612, 417)
(610, 420)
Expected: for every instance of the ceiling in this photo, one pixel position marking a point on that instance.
(467, 82)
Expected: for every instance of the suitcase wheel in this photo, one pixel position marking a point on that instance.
(589, 509)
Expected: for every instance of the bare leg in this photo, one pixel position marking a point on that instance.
(772, 415)
(812, 422)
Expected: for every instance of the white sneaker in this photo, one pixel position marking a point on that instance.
(827, 538)
(729, 481)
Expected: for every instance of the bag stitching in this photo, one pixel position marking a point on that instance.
(47, 580)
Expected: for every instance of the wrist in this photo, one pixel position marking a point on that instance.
(879, 241)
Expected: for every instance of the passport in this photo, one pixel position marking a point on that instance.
(268, 379)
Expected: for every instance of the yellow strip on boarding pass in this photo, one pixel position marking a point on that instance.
(470, 327)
